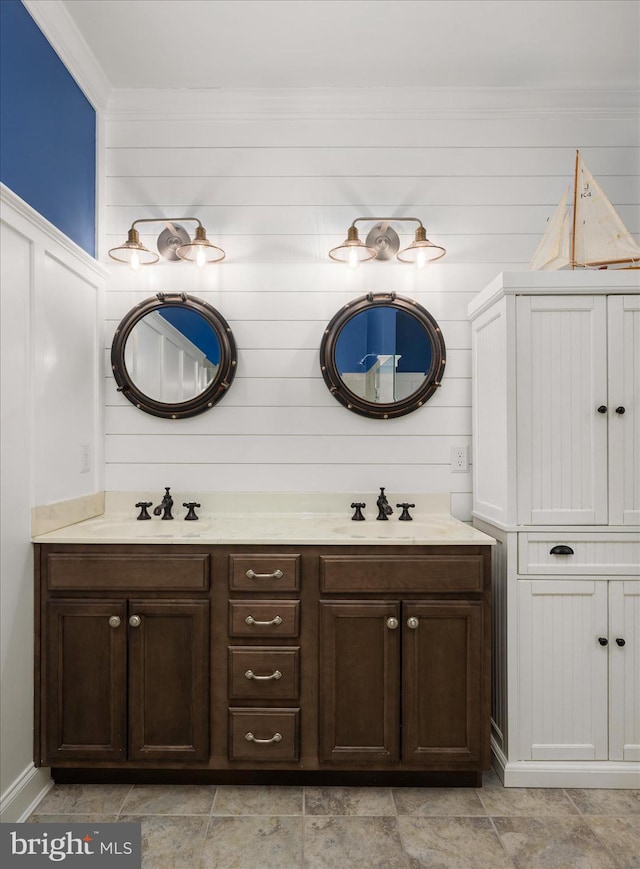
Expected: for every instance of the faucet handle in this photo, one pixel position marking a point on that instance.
(191, 515)
(405, 517)
(143, 509)
(357, 516)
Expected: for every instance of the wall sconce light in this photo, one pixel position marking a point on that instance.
(383, 242)
(174, 244)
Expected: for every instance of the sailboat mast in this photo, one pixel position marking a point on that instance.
(575, 197)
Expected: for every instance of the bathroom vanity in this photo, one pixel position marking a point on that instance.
(272, 648)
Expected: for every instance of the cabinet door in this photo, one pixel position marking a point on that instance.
(443, 716)
(562, 670)
(624, 410)
(84, 679)
(624, 670)
(562, 438)
(168, 680)
(359, 681)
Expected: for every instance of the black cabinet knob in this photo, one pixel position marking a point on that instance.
(602, 408)
(561, 550)
(620, 642)
(603, 641)
(620, 410)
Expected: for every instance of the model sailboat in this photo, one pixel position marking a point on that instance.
(588, 233)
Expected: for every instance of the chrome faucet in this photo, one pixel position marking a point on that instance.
(384, 508)
(165, 505)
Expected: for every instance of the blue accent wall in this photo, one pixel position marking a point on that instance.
(47, 129)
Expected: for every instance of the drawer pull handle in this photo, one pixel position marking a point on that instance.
(134, 621)
(251, 675)
(620, 642)
(275, 621)
(603, 641)
(277, 574)
(277, 737)
(114, 622)
(412, 623)
(561, 550)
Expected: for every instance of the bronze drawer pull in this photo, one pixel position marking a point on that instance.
(277, 574)
(275, 621)
(251, 675)
(277, 737)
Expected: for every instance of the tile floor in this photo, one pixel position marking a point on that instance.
(208, 827)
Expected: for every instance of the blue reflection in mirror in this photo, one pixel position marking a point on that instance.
(383, 355)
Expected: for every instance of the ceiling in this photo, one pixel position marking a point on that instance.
(363, 43)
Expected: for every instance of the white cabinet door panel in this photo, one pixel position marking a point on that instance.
(562, 439)
(624, 393)
(624, 670)
(562, 670)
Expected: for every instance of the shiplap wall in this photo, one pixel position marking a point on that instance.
(277, 192)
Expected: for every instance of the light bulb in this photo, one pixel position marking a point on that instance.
(354, 259)
(421, 258)
(134, 262)
(201, 257)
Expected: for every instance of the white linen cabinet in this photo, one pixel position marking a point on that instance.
(556, 480)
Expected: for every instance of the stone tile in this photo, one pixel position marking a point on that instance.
(352, 843)
(170, 842)
(258, 842)
(460, 802)
(348, 801)
(250, 800)
(501, 801)
(83, 799)
(544, 843)
(169, 800)
(601, 801)
(621, 836)
(452, 843)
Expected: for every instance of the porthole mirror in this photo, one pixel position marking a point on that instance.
(173, 356)
(382, 355)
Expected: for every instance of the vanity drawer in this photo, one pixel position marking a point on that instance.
(580, 553)
(264, 572)
(264, 618)
(263, 673)
(397, 573)
(127, 572)
(264, 734)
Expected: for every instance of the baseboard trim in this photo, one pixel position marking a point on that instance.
(565, 774)
(21, 798)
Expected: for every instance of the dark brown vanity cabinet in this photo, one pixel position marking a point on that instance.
(251, 664)
(123, 678)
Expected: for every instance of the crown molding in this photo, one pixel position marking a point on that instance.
(374, 103)
(61, 31)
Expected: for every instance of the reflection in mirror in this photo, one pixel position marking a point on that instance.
(173, 356)
(382, 355)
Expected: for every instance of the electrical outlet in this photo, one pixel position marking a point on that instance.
(85, 458)
(459, 460)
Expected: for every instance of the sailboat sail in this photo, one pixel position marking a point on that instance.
(599, 237)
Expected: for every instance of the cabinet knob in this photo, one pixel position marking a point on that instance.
(134, 621)
(602, 408)
(620, 641)
(412, 622)
(392, 623)
(620, 410)
(114, 621)
(603, 641)
(561, 550)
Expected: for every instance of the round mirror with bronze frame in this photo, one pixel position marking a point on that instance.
(173, 356)
(382, 355)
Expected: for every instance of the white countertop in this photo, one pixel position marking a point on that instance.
(429, 527)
